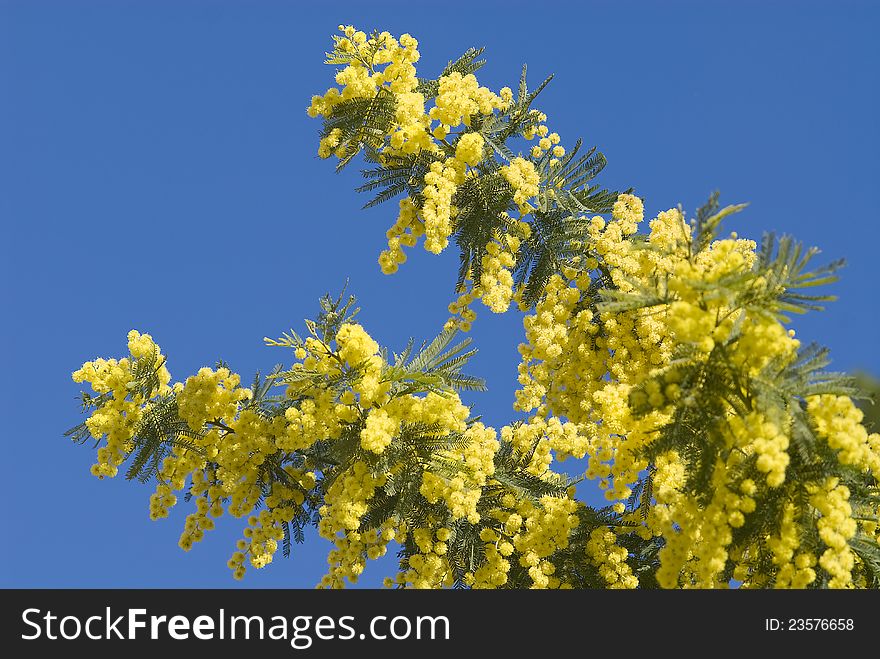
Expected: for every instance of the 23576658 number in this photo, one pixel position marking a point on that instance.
(820, 624)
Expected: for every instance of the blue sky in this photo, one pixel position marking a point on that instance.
(159, 172)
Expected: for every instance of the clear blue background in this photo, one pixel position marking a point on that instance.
(158, 171)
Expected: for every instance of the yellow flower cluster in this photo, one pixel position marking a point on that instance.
(328, 144)
(265, 530)
(404, 233)
(378, 431)
(352, 551)
(629, 211)
(462, 493)
(839, 422)
(461, 500)
(622, 436)
(570, 349)
(836, 526)
(496, 280)
(524, 179)
(410, 134)
(231, 441)
(669, 477)
(429, 568)
(762, 341)
(547, 332)
(241, 455)
(469, 149)
(547, 141)
(478, 455)
(495, 287)
(210, 396)
(262, 536)
(161, 501)
(364, 78)
(545, 529)
(380, 67)
(755, 433)
(611, 374)
(120, 414)
(434, 218)
(317, 416)
(795, 567)
(196, 524)
(691, 324)
(493, 572)
(462, 314)
(461, 97)
(239, 451)
(358, 349)
(869, 521)
(698, 538)
(437, 211)
(346, 500)
(542, 438)
(610, 558)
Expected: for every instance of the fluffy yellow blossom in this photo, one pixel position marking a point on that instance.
(496, 280)
(796, 568)
(352, 551)
(210, 395)
(469, 148)
(329, 143)
(839, 422)
(346, 501)
(404, 233)
(461, 97)
(118, 418)
(462, 493)
(755, 433)
(836, 526)
(629, 211)
(546, 528)
(610, 559)
(378, 431)
(440, 185)
(524, 180)
(379, 64)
